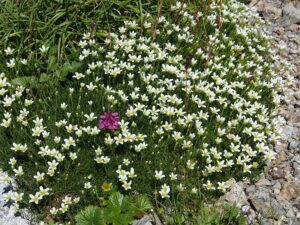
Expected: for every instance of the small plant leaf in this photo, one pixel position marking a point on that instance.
(117, 200)
(142, 204)
(30, 81)
(67, 68)
(91, 215)
(44, 77)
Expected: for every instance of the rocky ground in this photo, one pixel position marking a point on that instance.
(275, 198)
(7, 215)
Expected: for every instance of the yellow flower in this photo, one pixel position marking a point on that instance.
(106, 186)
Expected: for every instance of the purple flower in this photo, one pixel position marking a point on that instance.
(109, 121)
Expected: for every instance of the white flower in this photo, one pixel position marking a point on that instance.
(8, 196)
(11, 63)
(64, 208)
(54, 211)
(63, 105)
(126, 162)
(87, 185)
(190, 164)
(53, 164)
(12, 161)
(159, 175)
(127, 185)
(43, 49)
(24, 61)
(28, 102)
(19, 172)
(57, 139)
(209, 186)
(173, 176)
(5, 179)
(35, 198)
(39, 176)
(122, 175)
(18, 197)
(194, 191)
(223, 186)
(131, 173)
(9, 51)
(67, 200)
(76, 200)
(43, 191)
(73, 156)
(165, 190)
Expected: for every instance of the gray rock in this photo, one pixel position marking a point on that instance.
(291, 15)
(263, 182)
(297, 158)
(290, 190)
(294, 145)
(294, 117)
(151, 219)
(296, 168)
(296, 133)
(290, 213)
(287, 132)
(266, 204)
(277, 185)
(272, 12)
(237, 195)
(297, 95)
(267, 222)
(281, 146)
(250, 189)
(294, 222)
(296, 204)
(2, 187)
(7, 216)
(146, 220)
(281, 171)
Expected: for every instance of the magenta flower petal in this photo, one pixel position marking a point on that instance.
(109, 121)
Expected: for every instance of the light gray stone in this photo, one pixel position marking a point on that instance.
(290, 190)
(237, 195)
(267, 222)
(144, 221)
(291, 15)
(266, 204)
(287, 132)
(296, 168)
(290, 213)
(151, 219)
(297, 95)
(263, 182)
(272, 12)
(7, 215)
(281, 171)
(294, 145)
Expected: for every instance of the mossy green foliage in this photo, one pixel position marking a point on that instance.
(27, 24)
(204, 215)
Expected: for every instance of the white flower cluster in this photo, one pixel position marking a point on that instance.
(190, 117)
(66, 203)
(220, 109)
